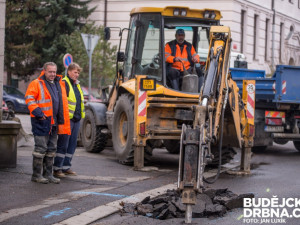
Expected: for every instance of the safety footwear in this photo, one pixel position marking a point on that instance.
(48, 172)
(59, 174)
(37, 167)
(70, 172)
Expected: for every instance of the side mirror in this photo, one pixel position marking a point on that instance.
(121, 56)
(106, 33)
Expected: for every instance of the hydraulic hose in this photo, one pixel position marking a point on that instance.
(220, 151)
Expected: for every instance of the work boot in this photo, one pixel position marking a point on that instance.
(59, 174)
(48, 170)
(37, 166)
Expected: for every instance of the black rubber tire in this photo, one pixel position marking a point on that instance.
(10, 106)
(297, 145)
(280, 142)
(258, 149)
(172, 146)
(123, 138)
(228, 154)
(92, 139)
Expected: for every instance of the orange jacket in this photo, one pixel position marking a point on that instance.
(184, 55)
(39, 103)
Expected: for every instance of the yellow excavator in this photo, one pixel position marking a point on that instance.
(203, 120)
(142, 109)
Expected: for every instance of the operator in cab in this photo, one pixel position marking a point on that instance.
(179, 54)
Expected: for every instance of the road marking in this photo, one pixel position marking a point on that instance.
(100, 194)
(118, 179)
(56, 213)
(65, 197)
(240, 217)
(113, 207)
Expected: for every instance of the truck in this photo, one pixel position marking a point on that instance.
(277, 105)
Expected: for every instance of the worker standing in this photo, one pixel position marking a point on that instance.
(179, 54)
(47, 102)
(66, 144)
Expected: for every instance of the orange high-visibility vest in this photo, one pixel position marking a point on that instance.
(184, 55)
(37, 95)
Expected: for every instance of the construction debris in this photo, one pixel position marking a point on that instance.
(211, 203)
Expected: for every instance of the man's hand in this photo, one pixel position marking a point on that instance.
(194, 59)
(43, 118)
(177, 59)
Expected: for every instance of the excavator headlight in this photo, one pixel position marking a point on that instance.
(213, 15)
(183, 12)
(209, 14)
(206, 14)
(176, 12)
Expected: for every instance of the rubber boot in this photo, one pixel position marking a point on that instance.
(37, 166)
(175, 84)
(48, 170)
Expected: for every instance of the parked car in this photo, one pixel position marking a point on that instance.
(14, 99)
(95, 96)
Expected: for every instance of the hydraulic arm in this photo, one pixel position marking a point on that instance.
(208, 126)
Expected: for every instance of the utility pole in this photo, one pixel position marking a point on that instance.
(90, 41)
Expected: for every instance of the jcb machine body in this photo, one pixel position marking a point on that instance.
(142, 109)
(221, 119)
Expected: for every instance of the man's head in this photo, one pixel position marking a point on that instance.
(180, 35)
(73, 71)
(50, 69)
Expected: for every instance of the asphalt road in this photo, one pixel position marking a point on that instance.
(102, 180)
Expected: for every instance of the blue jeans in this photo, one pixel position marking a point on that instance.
(66, 146)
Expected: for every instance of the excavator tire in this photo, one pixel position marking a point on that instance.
(173, 146)
(280, 142)
(122, 131)
(228, 154)
(93, 140)
(297, 145)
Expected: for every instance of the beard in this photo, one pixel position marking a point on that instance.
(180, 41)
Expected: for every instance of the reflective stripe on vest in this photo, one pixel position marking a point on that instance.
(72, 99)
(44, 104)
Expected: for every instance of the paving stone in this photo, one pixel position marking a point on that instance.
(145, 200)
(163, 215)
(144, 209)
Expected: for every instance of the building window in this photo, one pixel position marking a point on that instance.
(255, 36)
(243, 25)
(281, 42)
(267, 40)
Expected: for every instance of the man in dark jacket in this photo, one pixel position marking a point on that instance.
(47, 102)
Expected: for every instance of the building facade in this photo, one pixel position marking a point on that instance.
(266, 32)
